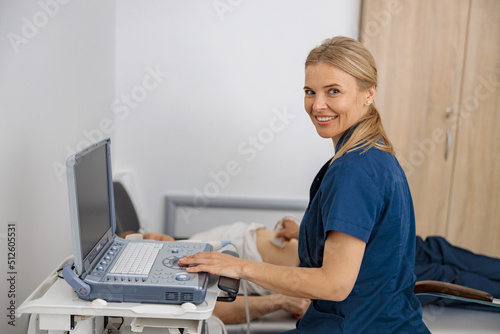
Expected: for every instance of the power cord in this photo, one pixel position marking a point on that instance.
(247, 309)
(221, 324)
(245, 295)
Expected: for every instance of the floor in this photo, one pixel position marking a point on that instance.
(444, 320)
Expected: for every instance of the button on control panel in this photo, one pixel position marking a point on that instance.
(101, 268)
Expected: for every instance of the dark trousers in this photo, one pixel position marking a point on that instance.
(436, 259)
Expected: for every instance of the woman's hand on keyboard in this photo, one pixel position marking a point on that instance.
(215, 263)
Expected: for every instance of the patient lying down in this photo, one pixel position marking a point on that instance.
(436, 259)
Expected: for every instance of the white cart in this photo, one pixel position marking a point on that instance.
(54, 308)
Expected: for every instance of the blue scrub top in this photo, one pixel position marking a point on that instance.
(367, 196)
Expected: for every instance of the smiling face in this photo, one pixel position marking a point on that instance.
(333, 100)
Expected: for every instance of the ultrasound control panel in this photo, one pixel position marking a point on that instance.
(165, 269)
(153, 278)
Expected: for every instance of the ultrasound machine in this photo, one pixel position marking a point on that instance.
(111, 284)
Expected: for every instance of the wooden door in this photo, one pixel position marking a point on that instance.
(419, 50)
(474, 220)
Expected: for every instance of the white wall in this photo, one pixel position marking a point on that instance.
(56, 82)
(232, 66)
(209, 125)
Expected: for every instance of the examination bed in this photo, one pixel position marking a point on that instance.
(186, 215)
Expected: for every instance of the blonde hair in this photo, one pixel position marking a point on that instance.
(352, 57)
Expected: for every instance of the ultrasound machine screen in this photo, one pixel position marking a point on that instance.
(92, 191)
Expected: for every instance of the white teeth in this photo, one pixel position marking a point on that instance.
(324, 119)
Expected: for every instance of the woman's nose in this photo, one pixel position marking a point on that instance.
(319, 103)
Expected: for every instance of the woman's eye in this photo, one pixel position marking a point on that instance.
(333, 91)
(309, 92)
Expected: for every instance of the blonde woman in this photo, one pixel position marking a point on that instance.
(357, 237)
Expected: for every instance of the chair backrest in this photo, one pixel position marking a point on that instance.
(126, 216)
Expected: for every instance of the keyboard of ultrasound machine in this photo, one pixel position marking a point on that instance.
(135, 262)
(137, 258)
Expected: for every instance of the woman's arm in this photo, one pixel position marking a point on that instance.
(333, 281)
(258, 306)
(289, 231)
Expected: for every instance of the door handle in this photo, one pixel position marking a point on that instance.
(448, 144)
(448, 112)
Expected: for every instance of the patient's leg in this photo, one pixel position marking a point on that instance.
(287, 256)
(438, 250)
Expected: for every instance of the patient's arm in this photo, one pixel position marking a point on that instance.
(158, 237)
(258, 306)
(149, 236)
